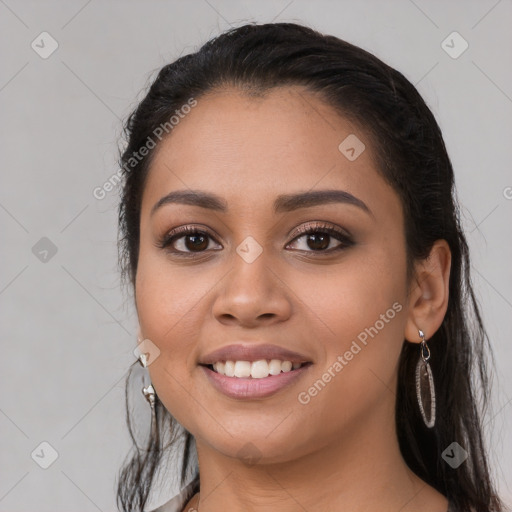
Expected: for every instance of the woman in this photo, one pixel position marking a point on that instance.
(290, 228)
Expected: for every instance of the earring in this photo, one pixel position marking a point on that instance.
(148, 391)
(150, 395)
(425, 391)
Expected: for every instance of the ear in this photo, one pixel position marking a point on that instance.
(428, 294)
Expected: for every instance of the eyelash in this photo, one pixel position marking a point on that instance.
(346, 241)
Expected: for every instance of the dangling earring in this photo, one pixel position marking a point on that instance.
(425, 391)
(148, 391)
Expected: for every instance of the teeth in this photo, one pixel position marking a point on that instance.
(259, 369)
(274, 367)
(242, 369)
(256, 370)
(229, 369)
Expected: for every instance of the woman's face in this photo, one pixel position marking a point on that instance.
(254, 279)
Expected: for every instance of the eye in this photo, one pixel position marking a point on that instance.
(188, 240)
(185, 240)
(318, 237)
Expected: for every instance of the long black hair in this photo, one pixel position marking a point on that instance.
(413, 159)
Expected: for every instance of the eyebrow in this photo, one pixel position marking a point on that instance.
(283, 203)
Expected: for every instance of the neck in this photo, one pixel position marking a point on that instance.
(363, 470)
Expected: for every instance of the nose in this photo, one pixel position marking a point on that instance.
(252, 294)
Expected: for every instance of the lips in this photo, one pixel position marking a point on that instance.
(249, 388)
(292, 365)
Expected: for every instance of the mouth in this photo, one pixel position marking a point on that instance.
(260, 369)
(246, 380)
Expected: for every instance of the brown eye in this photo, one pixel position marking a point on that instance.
(197, 242)
(186, 240)
(318, 238)
(318, 241)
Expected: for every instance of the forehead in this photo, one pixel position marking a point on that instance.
(251, 149)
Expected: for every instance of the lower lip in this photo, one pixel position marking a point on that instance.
(236, 387)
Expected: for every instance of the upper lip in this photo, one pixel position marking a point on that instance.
(252, 352)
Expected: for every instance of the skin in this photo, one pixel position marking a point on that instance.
(340, 450)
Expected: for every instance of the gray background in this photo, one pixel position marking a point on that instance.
(67, 329)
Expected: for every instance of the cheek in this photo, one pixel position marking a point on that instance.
(165, 320)
(167, 296)
(352, 296)
(161, 304)
(171, 310)
(361, 310)
(362, 304)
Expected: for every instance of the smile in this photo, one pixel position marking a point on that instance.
(256, 369)
(257, 379)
